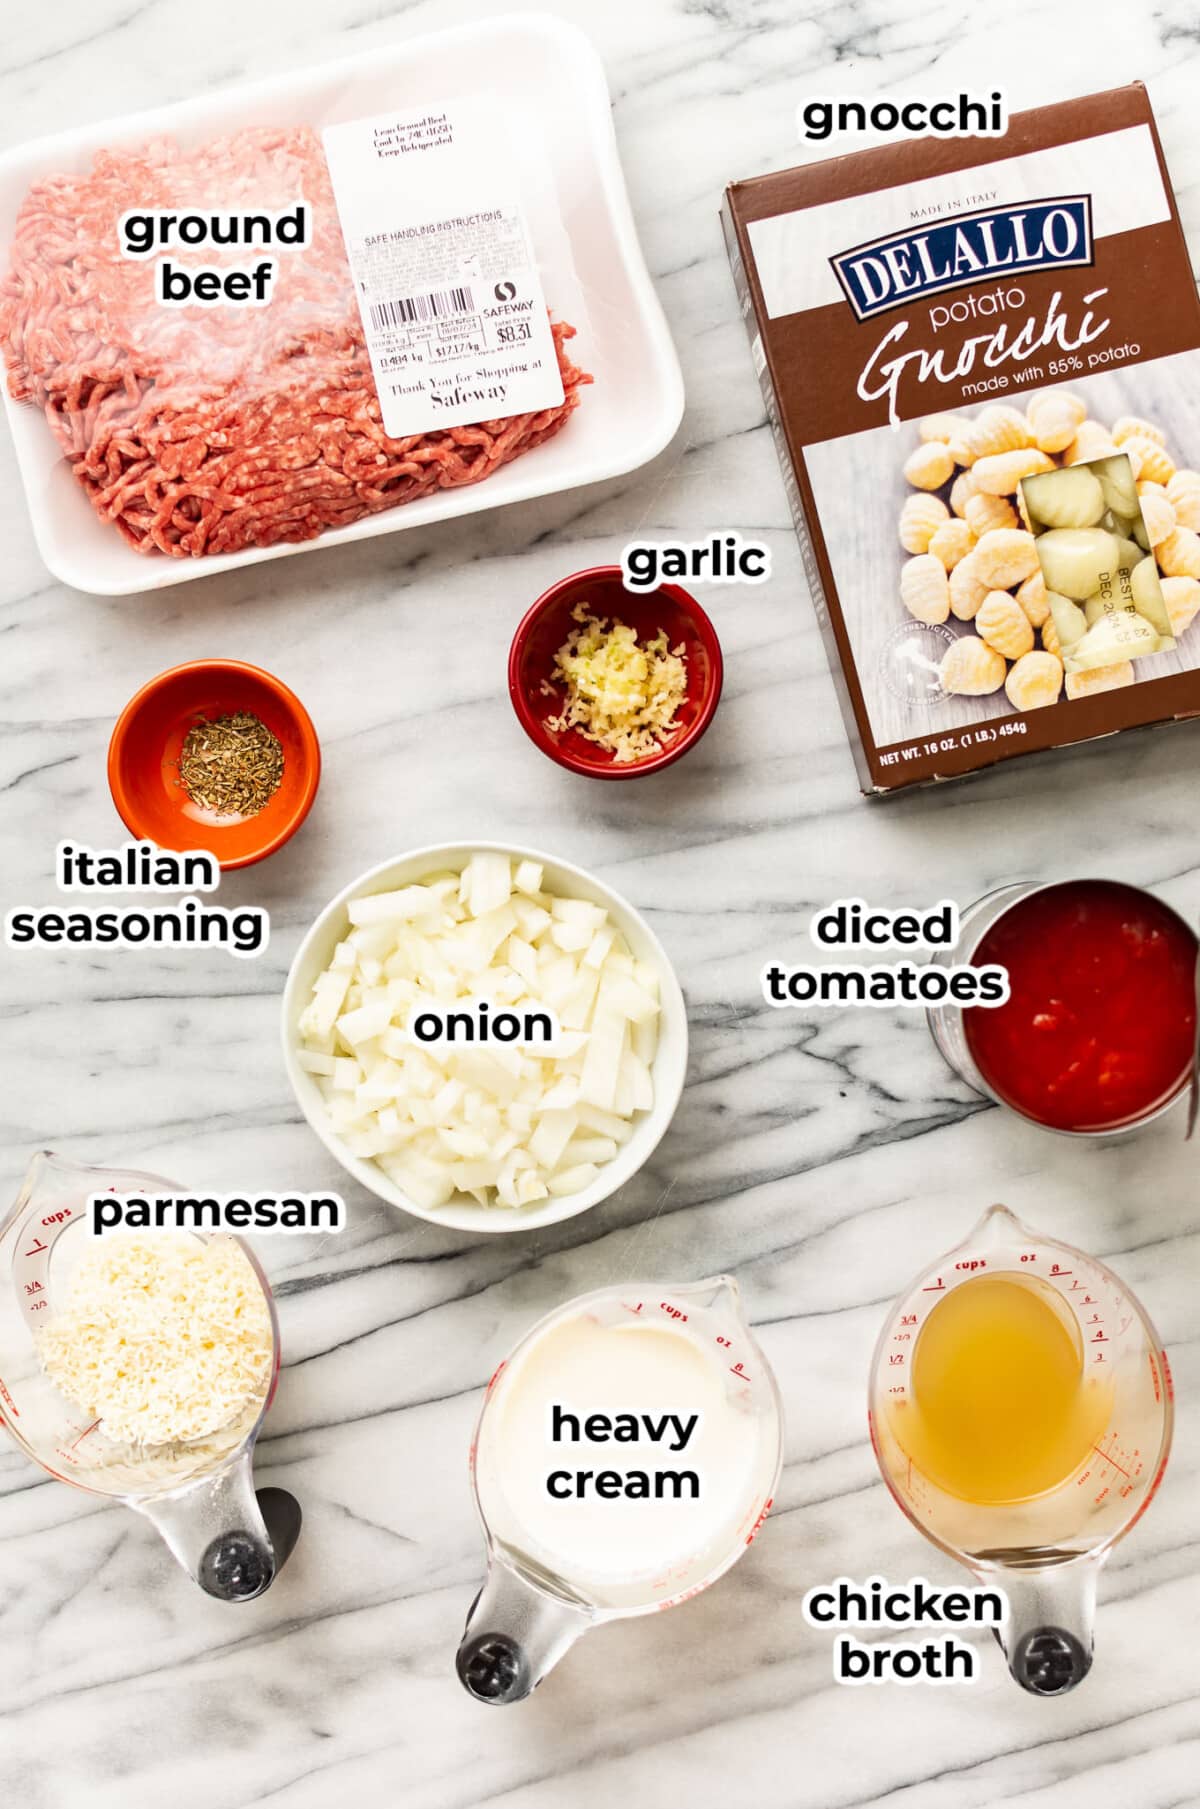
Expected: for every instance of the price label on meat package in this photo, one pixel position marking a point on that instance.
(447, 283)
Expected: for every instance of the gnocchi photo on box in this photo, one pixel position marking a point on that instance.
(1096, 557)
(990, 443)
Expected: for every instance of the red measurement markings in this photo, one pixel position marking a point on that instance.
(86, 1433)
(735, 1369)
(685, 1595)
(9, 1402)
(757, 1527)
(937, 1287)
(38, 1247)
(1132, 1469)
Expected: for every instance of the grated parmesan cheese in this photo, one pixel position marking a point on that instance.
(163, 1339)
(621, 693)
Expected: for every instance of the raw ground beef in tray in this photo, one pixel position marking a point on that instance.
(209, 430)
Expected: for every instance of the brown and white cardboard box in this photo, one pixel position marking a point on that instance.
(952, 276)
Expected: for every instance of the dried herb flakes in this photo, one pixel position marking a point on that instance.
(232, 766)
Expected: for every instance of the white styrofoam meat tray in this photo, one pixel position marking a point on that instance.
(592, 270)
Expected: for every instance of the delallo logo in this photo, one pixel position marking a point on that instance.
(902, 267)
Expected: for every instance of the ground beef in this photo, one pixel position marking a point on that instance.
(209, 430)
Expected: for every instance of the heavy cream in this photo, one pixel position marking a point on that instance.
(617, 1451)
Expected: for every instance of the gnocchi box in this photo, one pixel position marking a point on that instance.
(981, 364)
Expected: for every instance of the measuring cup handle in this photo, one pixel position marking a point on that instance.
(1047, 1637)
(232, 1541)
(238, 1565)
(514, 1634)
(493, 1667)
(1049, 1661)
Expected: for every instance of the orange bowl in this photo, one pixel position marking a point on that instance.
(143, 756)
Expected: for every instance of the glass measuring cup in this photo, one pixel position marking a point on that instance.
(529, 1613)
(948, 1022)
(200, 1495)
(1045, 1552)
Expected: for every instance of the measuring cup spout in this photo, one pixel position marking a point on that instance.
(231, 1541)
(515, 1634)
(55, 1181)
(717, 1300)
(1048, 1636)
(719, 1294)
(998, 1226)
(45, 1174)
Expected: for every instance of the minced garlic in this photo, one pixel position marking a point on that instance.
(621, 693)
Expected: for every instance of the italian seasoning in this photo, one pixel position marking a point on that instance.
(232, 766)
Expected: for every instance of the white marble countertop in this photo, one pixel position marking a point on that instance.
(820, 1160)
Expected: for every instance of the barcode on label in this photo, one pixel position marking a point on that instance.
(408, 308)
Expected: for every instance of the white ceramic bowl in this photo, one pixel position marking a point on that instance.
(545, 72)
(462, 1214)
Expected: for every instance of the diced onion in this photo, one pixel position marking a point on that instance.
(504, 1123)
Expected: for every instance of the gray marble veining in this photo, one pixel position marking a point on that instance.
(820, 1158)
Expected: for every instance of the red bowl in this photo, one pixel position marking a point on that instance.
(143, 774)
(548, 623)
